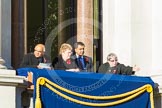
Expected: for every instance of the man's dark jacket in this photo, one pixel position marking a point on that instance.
(30, 60)
(87, 61)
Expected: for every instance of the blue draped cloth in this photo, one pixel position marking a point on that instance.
(91, 84)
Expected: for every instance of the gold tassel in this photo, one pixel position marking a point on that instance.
(38, 103)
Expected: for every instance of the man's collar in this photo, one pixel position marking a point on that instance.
(78, 56)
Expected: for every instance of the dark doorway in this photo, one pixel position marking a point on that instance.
(34, 20)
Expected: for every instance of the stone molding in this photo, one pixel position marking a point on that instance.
(9, 78)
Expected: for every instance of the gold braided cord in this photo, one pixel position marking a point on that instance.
(38, 100)
(130, 95)
(151, 100)
(95, 104)
(96, 97)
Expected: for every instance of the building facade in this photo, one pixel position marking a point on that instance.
(130, 28)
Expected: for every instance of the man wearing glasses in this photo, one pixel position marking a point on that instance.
(113, 66)
(36, 58)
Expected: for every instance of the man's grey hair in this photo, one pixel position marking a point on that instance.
(110, 55)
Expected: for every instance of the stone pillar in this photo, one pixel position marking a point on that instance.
(61, 19)
(19, 31)
(5, 30)
(85, 24)
(141, 35)
(116, 29)
(156, 37)
(66, 21)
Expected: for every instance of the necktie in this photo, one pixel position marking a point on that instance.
(81, 62)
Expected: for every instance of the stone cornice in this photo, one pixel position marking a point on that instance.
(9, 78)
(12, 80)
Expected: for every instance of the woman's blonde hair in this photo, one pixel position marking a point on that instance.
(64, 47)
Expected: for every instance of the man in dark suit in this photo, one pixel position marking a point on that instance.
(35, 58)
(83, 62)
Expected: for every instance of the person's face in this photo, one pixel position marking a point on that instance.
(80, 50)
(113, 61)
(38, 51)
(66, 54)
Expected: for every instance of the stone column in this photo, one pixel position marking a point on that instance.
(156, 37)
(116, 29)
(19, 31)
(66, 21)
(85, 24)
(61, 19)
(5, 31)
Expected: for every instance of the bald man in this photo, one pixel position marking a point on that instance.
(34, 59)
